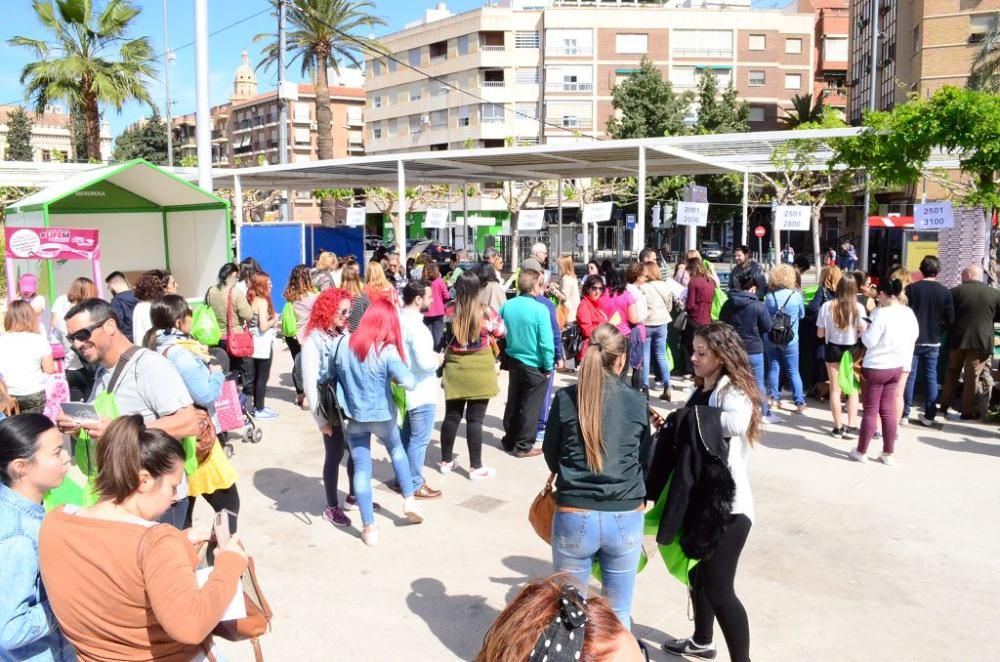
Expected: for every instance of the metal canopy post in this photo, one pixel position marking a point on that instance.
(746, 211)
(583, 224)
(465, 214)
(401, 213)
(237, 212)
(639, 232)
(559, 216)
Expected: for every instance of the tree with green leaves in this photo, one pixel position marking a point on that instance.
(87, 59)
(144, 140)
(19, 136)
(321, 35)
(806, 109)
(645, 106)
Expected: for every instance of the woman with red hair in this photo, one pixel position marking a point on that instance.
(323, 334)
(263, 323)
(365, 370)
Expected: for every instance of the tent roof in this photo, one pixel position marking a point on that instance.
(137, 177)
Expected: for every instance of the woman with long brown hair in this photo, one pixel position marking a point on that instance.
(724, 379)
(596, 442)
(434, 317)
(263, 324)
(841, 322)
(377, 285)
(300, 295)
(350, 282)
(79, 375)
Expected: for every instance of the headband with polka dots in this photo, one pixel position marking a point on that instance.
(562, 639)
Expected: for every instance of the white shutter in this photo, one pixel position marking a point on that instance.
(631, 43)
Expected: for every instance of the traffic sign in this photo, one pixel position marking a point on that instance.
(759, 231)
(792, 217)
(933, 216)
(692, 213)
(629, 221)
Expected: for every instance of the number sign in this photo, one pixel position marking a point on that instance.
(692, 213)
(933, 216)
(792, 217)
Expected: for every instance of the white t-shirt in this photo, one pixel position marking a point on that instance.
(59, 310)
(838, 336)
(141, 323)
(21, 355)
(891, 338)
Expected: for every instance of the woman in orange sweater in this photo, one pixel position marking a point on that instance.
(122, 586)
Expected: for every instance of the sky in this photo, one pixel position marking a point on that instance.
(234, 22)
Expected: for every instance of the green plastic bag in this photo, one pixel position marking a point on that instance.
(679, 565)
(809, 293)
(78, 488)
(717, 301)
(670, 359)
(289, 324)
(399, 397)
(204, 326)
(846, 377)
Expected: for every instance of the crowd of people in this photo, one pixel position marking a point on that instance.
(371, 353)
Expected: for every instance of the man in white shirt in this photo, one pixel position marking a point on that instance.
(421, 402)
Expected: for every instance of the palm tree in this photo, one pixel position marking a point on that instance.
(805, 109)
(77, 62)
(985, 74)
(321, 35)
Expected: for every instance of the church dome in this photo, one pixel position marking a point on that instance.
(245, 80)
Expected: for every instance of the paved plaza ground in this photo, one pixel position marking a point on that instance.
(844, 562)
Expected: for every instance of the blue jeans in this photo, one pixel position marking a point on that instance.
(789, 356)
(757, 365)
(359, 436)
(416, 435)
(656, 347)
(925, 360)
(543, 416)
(615, 539)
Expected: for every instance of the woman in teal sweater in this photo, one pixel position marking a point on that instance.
(596, 442)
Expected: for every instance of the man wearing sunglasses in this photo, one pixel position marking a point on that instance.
(146, 384)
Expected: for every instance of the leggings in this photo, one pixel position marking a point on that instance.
(295, 347)
(261, 373)
(474, 415)
(715, 597)
(335, 445)
(228, 498)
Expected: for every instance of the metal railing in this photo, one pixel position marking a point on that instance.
(702, 52)
(492, 83)
(492, 48)
(569, 50)
(569, 87)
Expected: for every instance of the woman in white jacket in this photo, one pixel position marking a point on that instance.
(724, 379)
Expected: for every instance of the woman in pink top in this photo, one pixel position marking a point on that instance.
(434, 315)
(618, 303)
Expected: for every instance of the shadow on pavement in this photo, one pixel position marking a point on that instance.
(429, 600)
(786, 440)
(963, 446)
(302, 496)
(654, 638)
(527, 568)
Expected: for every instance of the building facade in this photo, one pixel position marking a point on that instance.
(245, 130)
(545, 73)
(52, 134)
(922, 45)
(831, 51)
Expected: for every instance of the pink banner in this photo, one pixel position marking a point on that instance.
(52, 243)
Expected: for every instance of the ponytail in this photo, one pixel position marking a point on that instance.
(607, 345)
(128, 447)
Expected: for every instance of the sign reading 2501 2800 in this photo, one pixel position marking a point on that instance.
(933, 216)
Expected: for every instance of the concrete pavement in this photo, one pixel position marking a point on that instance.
(845, 561)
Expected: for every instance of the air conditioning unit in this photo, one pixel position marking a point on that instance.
(425, 119)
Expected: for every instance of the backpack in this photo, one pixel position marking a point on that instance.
(781, 332)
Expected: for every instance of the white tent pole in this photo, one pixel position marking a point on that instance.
(746, 211)
(401, 214)
(559, 201)
(639, 232)
(202, 127)
(586, 238)
(237, 212)
(465, 215)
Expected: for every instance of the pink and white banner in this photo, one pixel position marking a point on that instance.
(52, 243)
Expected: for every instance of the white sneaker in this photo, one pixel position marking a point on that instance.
(857, 456)
(412, 510)
(482, 473)
(369, 535)
(926, 422)
(773, 419)
(447, 467)
(886, 459)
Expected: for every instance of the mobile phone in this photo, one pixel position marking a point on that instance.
(222, 527)
(81, 412)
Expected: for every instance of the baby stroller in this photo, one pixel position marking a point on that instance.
(234, 417)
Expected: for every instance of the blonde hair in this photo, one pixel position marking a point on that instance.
(782, 277)
(566, 266)
(830, 276)
(375, 276)
(607, 345)
(326, 260)
(350, 279)
(653, 271)
(903, 275)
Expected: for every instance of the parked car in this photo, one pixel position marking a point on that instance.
(437, 251)
(711, 251)
(373, 242)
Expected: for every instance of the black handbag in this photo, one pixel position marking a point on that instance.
(328, 406)
(681, 320)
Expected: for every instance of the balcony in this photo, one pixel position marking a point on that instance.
(701, 52)
(219, 137)
(493, 48)
(569, 51)
(569, 87)
(492, 83)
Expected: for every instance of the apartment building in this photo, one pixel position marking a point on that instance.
(922, 45)
(543, 70)
(831, 53)
(52, 134)
(245, 130)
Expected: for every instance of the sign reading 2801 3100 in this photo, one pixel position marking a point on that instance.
(933, 216)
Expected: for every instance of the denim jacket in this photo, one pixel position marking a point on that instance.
(203, 385)
(28, 628)
(363, 387)
(789, 301)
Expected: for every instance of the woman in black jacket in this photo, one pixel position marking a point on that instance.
(596, 442)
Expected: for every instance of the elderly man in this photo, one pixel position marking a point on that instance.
(977, 307)
(538, 261)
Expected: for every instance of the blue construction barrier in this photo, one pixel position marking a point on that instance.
(278, 248)
(340, 241)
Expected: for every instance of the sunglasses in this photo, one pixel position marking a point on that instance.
(83, 335)
(344, 312)
(596, 288)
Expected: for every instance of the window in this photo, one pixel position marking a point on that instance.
(526, 111)
(793, 45)
(413, 57)
(683, 76)
(439, 50)
(569, 42)
(758, 42)
(793, 81)
(415, 93)
(493, 113)
(526, 76)
(439, 119)
(491, 40)
(377, 133)
(354, 115)
(835, 49)
(301, 111)
(376, 67)
(439, 88)
(980, 26)
(631, 43)
(376, 102)
(916, 39)
(392, 64)
(391, 127)
(463, 45)
(302, 136)
(463, 115)
(526, 39)
(570, 114)
(703, 43)
(569, 79)
(756, 114)
(416, 123)
(757, 78)
(492, 78)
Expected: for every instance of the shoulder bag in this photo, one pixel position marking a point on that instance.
(239, 343)
(328, 406)
(543, 510)
(205, 439)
